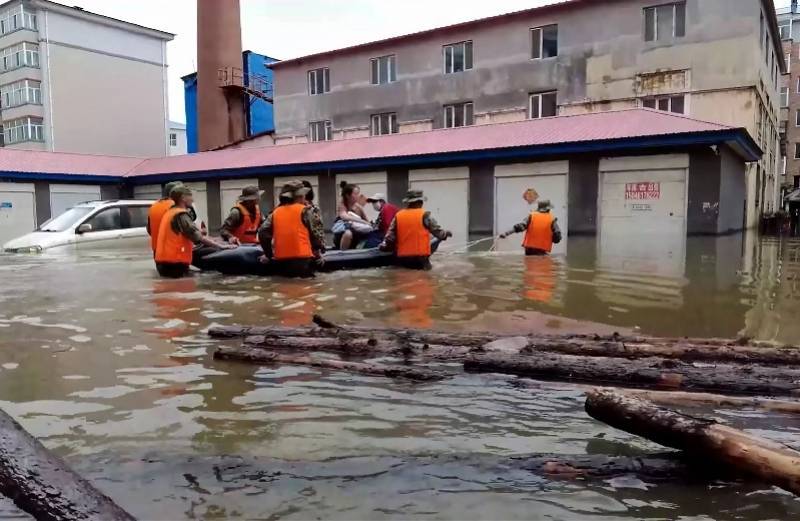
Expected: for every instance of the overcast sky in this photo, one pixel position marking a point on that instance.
(290, 28)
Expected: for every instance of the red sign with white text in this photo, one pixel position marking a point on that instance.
(642, 191)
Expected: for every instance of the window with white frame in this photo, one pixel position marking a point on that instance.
(788, 61)
(18, 17)
(542, 105)
(785, 29)
(21, 55)
(797, 150)
(382, 124)
(544, 42)
(23, 129)
(21, 93)
(459, 115)
(664, 22)
(784, 97)
(457, 57)
(383, 70)
(173, 139)
(676, 104)
(797, 118)
(319, 131)
(798, 85)
(319, 81)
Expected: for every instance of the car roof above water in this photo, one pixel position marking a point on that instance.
(130, 202)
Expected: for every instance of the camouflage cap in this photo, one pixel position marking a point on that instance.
(169, 186)
(294, 189)
(250, 193)
(179, 191)
(544, 205)
(414, 196)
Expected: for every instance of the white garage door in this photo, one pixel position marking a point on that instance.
(64, 197)
(447, 190)
(148, 192)
(548, 180)
(17, 210)
(230, 190)
(643, 214)
(280, 181)
(370, 183)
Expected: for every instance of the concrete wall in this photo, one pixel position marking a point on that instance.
(702, 211)
(182, 146)
(583, 192)
(732, 190)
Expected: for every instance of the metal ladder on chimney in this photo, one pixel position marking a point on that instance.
(255, 85)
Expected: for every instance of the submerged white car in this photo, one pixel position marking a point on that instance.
(94, 224)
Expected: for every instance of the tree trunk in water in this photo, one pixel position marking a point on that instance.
(705, 439)
(359, 346)
(262, 356)
(653, 373)
(42, 484)
(679, 398)
(615, 346)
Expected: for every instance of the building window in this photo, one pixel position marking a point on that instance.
(674, 104)
(788, 62)
(664, 22)
(457, 57)
(382, 124)
(784, 97)
(797, 150)
(173, 139)
(23, 129)
(21, 93)
(542, 105)
(785, 29)
(458, 115)
(798, 85)
(319, 131)
(20, 55)
(17, 18)
(383, 70)
(319, 81)
(544, 42)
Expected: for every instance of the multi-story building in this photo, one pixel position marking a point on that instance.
(789, 26)
(75, 81)
(177, 139)
(715, 60)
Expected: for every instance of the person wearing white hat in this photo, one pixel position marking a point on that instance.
(386, 212)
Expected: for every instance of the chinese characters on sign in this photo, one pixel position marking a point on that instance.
(642, 191)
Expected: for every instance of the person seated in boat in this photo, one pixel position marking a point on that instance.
(386, 212)
(292, 236)
(351, 226)
(409, 234)
(177, 235)
(541, 230)
(242, 224)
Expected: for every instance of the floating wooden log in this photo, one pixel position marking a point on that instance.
(647, 373)
(262, 356)
(678, 398)
(688, 350)
(705, 439)
(42, 484)
(354, 346)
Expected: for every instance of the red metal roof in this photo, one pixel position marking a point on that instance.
(60, 163)
(564, 129)
(584, 128)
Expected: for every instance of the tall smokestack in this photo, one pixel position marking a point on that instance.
(220, 112)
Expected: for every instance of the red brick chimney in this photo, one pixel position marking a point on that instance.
(220, 112)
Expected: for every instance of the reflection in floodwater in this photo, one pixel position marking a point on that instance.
(110, 366)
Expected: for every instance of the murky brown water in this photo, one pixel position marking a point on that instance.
(110, 366)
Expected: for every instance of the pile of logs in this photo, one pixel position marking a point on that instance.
(646, 373)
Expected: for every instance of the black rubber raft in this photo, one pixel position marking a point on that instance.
(244, 260)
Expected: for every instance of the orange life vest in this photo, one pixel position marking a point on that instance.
(173, 247)
(290, 237)
(247, 232)
(154, 216)
(540, 232)
(413, 239)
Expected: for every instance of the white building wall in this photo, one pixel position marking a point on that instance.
(181, 145)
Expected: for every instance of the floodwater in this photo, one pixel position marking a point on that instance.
(110, 367)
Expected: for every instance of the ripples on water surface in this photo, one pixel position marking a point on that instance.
(110, 367)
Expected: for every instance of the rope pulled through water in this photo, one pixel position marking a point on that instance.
(466, 246)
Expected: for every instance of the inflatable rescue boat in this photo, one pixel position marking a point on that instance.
(244, 260)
